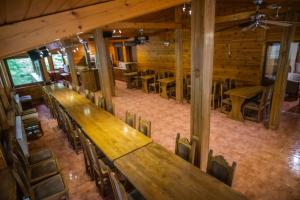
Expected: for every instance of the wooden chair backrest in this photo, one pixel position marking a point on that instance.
(111, 108)
(101, 102)
(130, 119)
(18, 152)
(219, 168)
(82, 139)
(86, 93)
(117, 187)
(269, 94)
(185, 149)
(69, 126)
(145, 127)
(21, 178)
(77, 88)
(93, 158)
(91, 97)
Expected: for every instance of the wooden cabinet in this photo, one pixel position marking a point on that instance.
(118, 73)
(90, 79)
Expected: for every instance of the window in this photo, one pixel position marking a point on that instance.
(47, 64)
(272, 59)
(23, 71)
(58, 61)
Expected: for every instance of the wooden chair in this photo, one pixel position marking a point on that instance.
(88, 166)
(154, 85)
(130, 119)
(91, 97)
(218, 167)
(35, 157)
(215, 97)
(99, 168)
(36, 172)
(119, 190)
(258, 107)
(101, 102)
(30, 119)
(86, 93)
(226, 103)
(185, 149)
(111, 108)
(52, 188)
(145, 127)
(73, 134)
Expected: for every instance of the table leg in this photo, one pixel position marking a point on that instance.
(164, 93)
(237, 103)
(145, 85)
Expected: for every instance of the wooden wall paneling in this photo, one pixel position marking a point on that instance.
(4, 98)
(31, 33)
(179, 55)
(281, 75)
(13, 14)
(202, 54)
(44, 70)
(4, 124)
(72, 68)
(5, 78)
(50, 61)
(102, 65)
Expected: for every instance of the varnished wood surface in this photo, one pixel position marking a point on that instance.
(167, 80)
(245, 92)
(238, 97)
(8, 186)
(113, 136)
(161, 175)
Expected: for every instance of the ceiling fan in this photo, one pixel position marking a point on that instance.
(261, 20)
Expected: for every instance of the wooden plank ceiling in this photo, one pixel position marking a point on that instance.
(19, 10)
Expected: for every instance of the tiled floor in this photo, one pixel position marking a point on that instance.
(268, 162)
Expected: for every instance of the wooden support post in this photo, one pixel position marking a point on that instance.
(5, 78)
(72, 69)
(102, 65)
(202, 43)
(50, 61)
(110, 68)
(87, 54)
(44, 70)
(179, 56)
(281, 76)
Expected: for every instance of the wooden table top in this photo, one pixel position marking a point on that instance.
(149, 76)
(8, 186)
(113, 136)
(245, 92)
(130, 73)
(167, 80)
(161, 175)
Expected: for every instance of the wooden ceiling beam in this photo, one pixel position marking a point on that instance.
(31, 33)
(246, 15)
(143, 25)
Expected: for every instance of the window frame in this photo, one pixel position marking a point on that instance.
(10, 76)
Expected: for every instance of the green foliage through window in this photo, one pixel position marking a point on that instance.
(23, 72)
(57, 61)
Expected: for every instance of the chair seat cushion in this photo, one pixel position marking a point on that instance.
(252, 105)
(226, 101)
(39, 156)
(50, 187)
(43, 170)
(29, 111)
(30, 116)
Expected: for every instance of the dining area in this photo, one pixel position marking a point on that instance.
(134, 157)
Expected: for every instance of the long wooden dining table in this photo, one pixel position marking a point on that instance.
(156, 172)
(113, 136)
